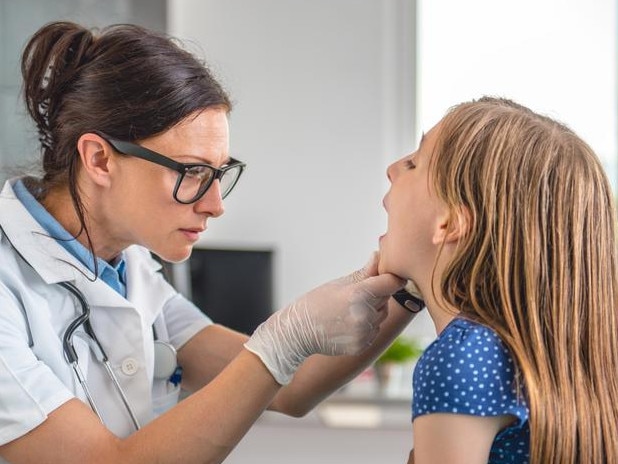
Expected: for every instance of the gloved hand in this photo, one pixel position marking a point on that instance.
(340, 317)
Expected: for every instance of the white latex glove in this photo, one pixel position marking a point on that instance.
(340, 317)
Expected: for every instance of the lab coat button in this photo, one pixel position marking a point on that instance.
(129, 366)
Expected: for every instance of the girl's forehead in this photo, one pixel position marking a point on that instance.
(428, 140)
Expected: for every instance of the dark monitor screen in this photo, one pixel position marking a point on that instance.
(233, 287)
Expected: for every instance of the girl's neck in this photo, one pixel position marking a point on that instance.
(440, 318)
(441, 313)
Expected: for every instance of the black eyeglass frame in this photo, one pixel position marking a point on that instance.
(132, 149)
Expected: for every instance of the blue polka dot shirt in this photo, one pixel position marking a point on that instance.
(468, 370)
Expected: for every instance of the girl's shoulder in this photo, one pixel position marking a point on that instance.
(468, 356)
(461, 332)
(469, 370)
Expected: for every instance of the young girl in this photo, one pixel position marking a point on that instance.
(508, 223)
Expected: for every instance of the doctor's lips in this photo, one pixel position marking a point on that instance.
(193, 233)
(197, 230)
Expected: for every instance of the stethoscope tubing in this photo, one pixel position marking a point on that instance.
(97, 348)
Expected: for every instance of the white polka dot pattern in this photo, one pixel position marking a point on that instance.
(468, 370)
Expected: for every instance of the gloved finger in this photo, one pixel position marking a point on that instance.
(362, 309)
(371, 266)
(382, 285)
(369, 269)
(358, 343)
(367, 308)
(382, 314)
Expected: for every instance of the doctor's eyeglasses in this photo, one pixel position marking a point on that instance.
(194, 179)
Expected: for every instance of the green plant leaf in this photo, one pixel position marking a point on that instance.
(401, 350)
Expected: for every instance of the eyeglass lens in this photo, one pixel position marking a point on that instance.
(198, 179)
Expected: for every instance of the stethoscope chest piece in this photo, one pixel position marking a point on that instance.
(165, 360)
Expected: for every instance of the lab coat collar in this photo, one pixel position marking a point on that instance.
(46, 256)
(140, 270)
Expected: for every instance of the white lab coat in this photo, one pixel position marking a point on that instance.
(34, 380)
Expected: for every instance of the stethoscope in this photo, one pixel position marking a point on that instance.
(165, 366)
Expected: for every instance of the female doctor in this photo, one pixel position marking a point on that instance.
(134, 136)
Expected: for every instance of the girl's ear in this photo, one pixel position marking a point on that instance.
(451, 226)
(96, 156)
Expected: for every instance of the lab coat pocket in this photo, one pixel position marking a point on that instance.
(166, 398)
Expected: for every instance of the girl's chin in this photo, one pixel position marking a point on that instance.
(382, 267)
(383, 263)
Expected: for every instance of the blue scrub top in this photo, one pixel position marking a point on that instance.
(113, 275)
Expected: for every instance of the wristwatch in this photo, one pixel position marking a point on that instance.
(410, 302)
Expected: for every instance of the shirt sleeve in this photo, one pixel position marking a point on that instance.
(179, 319)
(467, 370)
(183, 320)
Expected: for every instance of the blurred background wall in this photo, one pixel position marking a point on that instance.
(329, 92)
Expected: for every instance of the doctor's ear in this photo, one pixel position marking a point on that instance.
(95, 154)
(452, 226)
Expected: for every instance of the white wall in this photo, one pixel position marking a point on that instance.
(556, 56)
(324, 102)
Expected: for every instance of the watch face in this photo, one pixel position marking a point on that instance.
(408, 301)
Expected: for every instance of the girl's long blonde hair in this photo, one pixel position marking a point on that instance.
(538, 265)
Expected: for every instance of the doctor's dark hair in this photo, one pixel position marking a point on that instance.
(123, 80)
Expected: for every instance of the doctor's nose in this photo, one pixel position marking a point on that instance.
(211, 202)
